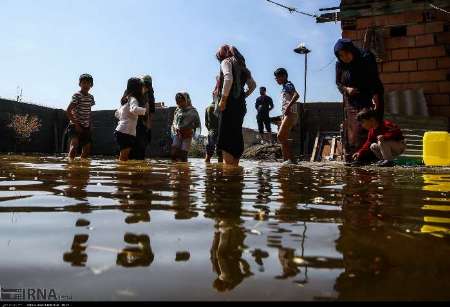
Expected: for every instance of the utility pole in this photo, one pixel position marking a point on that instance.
(19, 94)
(301, 49)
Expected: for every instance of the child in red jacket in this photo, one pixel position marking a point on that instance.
(385, 139)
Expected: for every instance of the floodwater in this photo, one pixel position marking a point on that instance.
(160, 231)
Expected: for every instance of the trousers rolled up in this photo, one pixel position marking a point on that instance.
(388, 150)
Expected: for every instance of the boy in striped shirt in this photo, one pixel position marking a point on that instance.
(79, 113)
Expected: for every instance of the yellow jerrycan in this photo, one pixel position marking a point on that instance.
(436, 148)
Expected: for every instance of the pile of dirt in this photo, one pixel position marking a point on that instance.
(263, 153)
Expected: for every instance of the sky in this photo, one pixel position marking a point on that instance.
(47, 44)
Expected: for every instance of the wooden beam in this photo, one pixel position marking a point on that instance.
(333, 148)
(316, 147)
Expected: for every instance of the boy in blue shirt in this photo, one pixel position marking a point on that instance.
(289, 98)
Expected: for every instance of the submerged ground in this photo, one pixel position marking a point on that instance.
(162, 231)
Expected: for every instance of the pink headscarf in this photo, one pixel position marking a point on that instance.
(224, 52)
(228, 51)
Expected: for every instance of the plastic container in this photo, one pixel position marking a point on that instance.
(436, 148)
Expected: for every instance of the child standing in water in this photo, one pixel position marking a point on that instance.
(79, 113)
(185, 121)
(289, 98)
(128, 116)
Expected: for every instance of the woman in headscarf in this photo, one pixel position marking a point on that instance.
(185, 123)
(358, 80)
(234, 75)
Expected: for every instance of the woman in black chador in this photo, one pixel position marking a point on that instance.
(358, 80)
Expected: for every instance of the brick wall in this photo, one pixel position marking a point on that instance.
(419, 57)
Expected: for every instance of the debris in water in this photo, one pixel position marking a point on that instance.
(299, 260)
(100, 270)
(182, 256)
(256, 232)
(318, 200)
(82, 223)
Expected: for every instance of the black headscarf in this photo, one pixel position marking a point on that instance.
(361, 73)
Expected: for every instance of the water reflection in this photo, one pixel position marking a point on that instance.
(306, 232)
(134, 201)
(223, 205)
(139, 252)
(77, 256)
(180, 183)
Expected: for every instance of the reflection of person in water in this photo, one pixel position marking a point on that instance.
(140, 254)
(133, 200)
(224, 206)
(77, 180)
(290, 268)
(364, 262)
(265, 188)
(181, 182)
(226, 255)
(77, 256)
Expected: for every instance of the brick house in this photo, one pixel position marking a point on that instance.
(415, 48)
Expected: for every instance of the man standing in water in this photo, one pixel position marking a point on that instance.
(144, 125)
(264, 104)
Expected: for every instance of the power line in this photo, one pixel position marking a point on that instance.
(333, 60)
(292, 9)
(439, 8)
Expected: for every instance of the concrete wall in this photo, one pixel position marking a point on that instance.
(47, 140)
(51, 137)
(105, 123)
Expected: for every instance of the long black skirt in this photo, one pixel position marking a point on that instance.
(230, 138)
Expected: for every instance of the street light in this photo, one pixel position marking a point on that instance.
(301, 49)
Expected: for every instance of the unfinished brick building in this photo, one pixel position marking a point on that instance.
(412, 44)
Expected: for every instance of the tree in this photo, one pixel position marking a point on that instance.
(24, 126)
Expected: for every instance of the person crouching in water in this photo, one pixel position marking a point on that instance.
(128, 116)
(385, 140)
(185, 121)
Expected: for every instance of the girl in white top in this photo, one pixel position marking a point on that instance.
(128, 116)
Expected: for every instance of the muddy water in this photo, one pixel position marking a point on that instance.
(158, 231)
